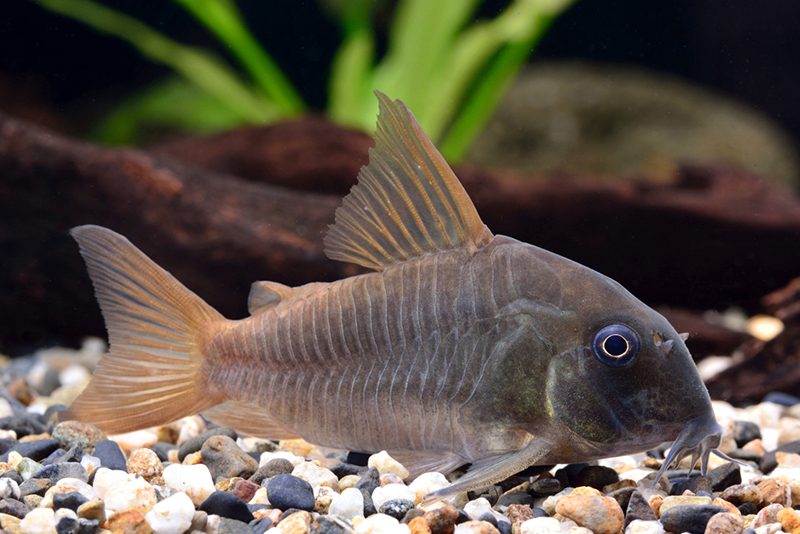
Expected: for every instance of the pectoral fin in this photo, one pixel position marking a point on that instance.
(493, 469)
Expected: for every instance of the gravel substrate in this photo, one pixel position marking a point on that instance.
(69, 477)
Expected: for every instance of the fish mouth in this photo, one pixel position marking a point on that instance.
(699, 438)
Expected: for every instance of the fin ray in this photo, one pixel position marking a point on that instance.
(407, 202)
(250, 420)
(149, 376)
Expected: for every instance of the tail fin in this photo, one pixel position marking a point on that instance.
(148, 377)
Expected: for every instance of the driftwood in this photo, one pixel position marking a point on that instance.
(766, 366)
(713, 237)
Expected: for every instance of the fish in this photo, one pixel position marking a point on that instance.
(458, 347)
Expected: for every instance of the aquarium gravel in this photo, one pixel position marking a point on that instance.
(193, 477)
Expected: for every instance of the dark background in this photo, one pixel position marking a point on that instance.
(744, 49)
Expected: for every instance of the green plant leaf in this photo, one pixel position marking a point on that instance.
(223, 18)
(173, 103)
(196, 65)
(350, 95)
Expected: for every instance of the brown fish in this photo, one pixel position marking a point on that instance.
(462, 347)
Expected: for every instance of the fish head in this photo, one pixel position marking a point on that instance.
(620, 379)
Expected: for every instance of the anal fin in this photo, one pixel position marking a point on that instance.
(493, 469)
(418, 462)
(249, 420)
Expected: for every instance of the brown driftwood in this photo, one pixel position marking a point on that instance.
(766, 366)
(713, 237)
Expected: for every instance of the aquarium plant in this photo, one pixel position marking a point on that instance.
(452, 71)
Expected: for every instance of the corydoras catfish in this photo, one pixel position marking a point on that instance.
(462, 346)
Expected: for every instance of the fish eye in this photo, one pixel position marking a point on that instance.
(616, 345)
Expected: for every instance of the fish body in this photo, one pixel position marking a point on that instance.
(462, 347)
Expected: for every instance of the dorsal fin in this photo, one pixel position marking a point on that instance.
(407, 202)
(268, 294)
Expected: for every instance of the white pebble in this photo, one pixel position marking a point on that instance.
(387, 465)
(267, 456)
(638, 526)
(66, 485)
(390, 492)
(172, 515)
(427, 483)
(260, 497)
(475, 509)
(133, 493)
(9, 489)
(73, 374)
(316, 475)
(39, 521)
(135, 440)
(189, 427)
(349, 504)
(105, 478)
(381, 524)
(5, 409)
(90, 463)
(540, 525)
(65, 512)
(194, 480)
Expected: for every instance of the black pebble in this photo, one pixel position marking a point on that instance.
(56, 472)
(6, 444)
(539, 512)
(638, 508)
(768, 461)
(369, 506)
(226, 504)
(370, 480)
(260, 526)
(622, 496)
(48, 418)
(54, 456)
(504, 527)
(289, 491)
(519, 497)
(689, 518)
(35, 486)
(358, 458)
(343, 469)
(693, 484)
(110, 455)
(162, 448)
(463, 517)
(544, 487)
(13, 475)
(567, 475)
(35, 450)
(594, 476)
(489, 518)
(14, 507)
(87, 526)
(196, 443)
(66, 525)
(784, 399)
(397, 508)
(747, 508)
(745, 432)
(411, 514)
(74, 454)
(725, 476)
(233, 526)
(273, 468)
(331, 525)
(70, 500)
(23, 426)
